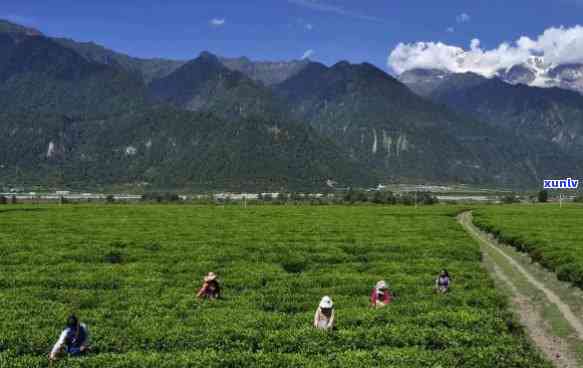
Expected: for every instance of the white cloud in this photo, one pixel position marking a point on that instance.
(463, 18)
(308, 27)
(450, 30)
(557, 46)
(308, 54)
(217, 22)
(336, 9)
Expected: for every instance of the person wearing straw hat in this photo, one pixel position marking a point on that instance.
(325, 318)
(210, 288)
(380, 295)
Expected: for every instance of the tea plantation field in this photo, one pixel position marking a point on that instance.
(553, 236)
(131, 273)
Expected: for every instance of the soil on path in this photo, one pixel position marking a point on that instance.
(557, 349)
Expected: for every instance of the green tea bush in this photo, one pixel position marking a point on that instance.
(549, 233)
(131, 274)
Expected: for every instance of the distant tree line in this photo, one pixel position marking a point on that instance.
(543, 197)
(160, 197)
(510, 199)
(11, 200)
(387, 197)
(352, 196)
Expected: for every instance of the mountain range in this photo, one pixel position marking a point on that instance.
(81, 115)
(536, 72)
(553, 115)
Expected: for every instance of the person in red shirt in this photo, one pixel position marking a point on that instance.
(210, 288)
(380, 295)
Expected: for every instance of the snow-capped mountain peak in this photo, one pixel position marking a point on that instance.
(537, 72)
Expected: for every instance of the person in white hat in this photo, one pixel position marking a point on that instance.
(210, 288)
(325, 316)
(380, 295)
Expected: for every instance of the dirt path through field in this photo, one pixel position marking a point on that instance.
(557, 349)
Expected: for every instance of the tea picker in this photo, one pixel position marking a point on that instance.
(210, 288)
(325, 318)
(380, 295)
(443, 282)
(73, 341)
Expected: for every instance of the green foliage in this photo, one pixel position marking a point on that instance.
(114, 257)
(12, 28)
(550, 234)
(131, 273)
(543, 196)
(355, 195)
(501, 104)
(43, 77)
(148, 69)
(206, 84)
(578, 198)
(417, 198)
(510, 198)
(82, 115)
(3, 200)
(402, 135)
(161, 197)
(173, 149)
(386, 197)
(282, 198)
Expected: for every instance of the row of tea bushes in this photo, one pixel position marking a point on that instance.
(131, 274)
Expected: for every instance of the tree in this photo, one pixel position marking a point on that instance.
(426, 198)
(111, 199)
(353, 196)
(379, 197)
(296, 197)
(161, 197)
(510, 198)
(390, 198)
(543, 196)
(407, 199)
(361, 196)
(171, 197)
(282, 198)
(350, 196)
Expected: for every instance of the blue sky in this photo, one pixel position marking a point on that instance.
(364, 30)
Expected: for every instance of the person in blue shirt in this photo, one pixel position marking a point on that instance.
(73, 341)
(443, 282)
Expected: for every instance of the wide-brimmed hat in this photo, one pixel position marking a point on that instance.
(326, 303)
(381, 285)
(211, 276)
